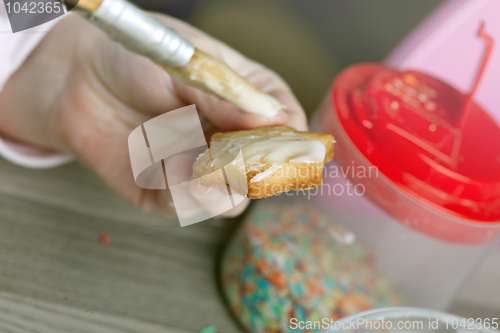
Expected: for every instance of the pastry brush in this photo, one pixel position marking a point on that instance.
(141, 33)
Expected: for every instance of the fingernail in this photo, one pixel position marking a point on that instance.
(211, 194)
(200, 189)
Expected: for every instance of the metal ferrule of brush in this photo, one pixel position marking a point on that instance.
(142, 33)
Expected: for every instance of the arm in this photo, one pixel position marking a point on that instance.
(14, 49)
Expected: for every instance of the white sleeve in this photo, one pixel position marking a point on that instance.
(14, 49)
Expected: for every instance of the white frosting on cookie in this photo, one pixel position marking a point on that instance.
(275, 149)
(267, 173)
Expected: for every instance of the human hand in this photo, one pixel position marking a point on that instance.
(79, 92)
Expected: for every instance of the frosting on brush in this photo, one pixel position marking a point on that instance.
(215, 77)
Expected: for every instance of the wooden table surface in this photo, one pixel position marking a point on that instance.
(56, 277)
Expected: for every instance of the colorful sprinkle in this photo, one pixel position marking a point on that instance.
(209, 329)
(293, 262)
(104, 238)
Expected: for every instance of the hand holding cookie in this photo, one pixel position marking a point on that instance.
(90, 93)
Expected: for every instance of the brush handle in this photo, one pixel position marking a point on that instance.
(87, 5)
(138, 32)
(143, 34)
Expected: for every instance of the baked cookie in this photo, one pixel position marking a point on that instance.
(262, 162)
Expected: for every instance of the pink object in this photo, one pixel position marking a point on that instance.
(446, 46)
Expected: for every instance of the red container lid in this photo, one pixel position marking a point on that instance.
(408, 126)
(434, 142)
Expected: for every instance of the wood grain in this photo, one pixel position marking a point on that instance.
(56, 277)
(23, 314)
(153, 274)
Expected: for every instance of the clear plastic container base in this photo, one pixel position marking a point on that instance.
(412, 320)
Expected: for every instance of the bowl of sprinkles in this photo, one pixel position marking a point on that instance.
(290, 264)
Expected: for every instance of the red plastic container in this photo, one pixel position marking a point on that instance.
(435, 166)
(425, 161)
